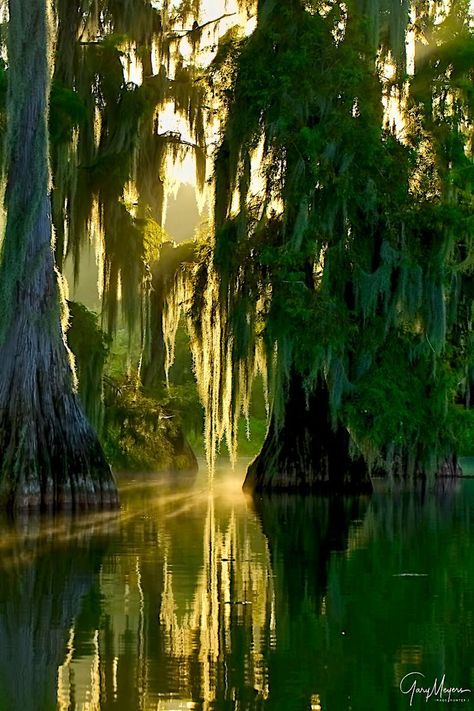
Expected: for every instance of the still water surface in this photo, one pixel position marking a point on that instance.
(196, 597)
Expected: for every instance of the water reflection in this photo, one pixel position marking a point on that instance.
(195, 597)
(304, 535)
(364, 598)
(47, 569)
(187, 600)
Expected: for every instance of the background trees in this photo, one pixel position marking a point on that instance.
(125, 75)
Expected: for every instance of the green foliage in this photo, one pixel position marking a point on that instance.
(3, 101)
(358, 244)
(352, 262)
(182, 397)
(106, 138)
(67, 112)
(142, 433)
(463, 426)
(400, 404)
(139, 434)
(90, 347)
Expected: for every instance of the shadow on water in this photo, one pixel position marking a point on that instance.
(196, 597)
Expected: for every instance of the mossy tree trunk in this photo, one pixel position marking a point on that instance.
(49, 455)
(305, 452)
(153, 373)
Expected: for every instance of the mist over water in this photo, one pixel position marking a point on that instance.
(194, 596)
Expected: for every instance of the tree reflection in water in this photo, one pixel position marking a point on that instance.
(48, 573)
(198, 598)
(303, 533)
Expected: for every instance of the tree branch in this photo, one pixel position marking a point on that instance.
(198, 28)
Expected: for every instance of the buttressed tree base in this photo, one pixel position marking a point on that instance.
(50, 458)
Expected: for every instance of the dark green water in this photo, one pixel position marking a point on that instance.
(200, 599)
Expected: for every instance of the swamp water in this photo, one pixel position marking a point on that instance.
(194, 596)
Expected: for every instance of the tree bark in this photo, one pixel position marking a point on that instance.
(306, 453)
(49, 455)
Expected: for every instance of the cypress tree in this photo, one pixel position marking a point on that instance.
(341, 266)
(49, 455)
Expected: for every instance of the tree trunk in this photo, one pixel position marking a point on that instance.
(449, 467)
(305, 453)
(49, 455)
(153, 374)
